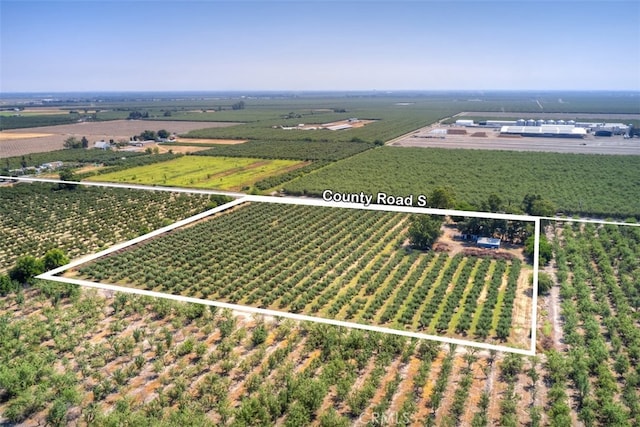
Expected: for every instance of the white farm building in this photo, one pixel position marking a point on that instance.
(556, 131)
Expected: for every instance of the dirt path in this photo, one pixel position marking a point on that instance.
(553, 300)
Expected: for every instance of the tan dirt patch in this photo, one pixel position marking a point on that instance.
(7, 136)
(175, 148)
(211, 141)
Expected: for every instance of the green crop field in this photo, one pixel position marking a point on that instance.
(576, 183)
(293, 150)
(34, 120)
(225, 173)
(352, 267)
(73, 356)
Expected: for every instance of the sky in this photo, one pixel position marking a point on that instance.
(62, 46)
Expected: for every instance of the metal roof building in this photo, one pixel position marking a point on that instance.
(488, 243)
(557, 131)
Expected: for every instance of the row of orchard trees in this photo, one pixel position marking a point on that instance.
(601, 325)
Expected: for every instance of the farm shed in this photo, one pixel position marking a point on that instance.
(465, 123)
(488, 243)
(339, 127)
(103, 145)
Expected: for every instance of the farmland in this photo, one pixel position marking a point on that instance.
(74, 356)
(293, 150)
(73, 157)
(233, 173)
(596, 185)
(363, 274)
(598, 268)
(36, 218)
(120, 358)
(94, 131)
(125, 359)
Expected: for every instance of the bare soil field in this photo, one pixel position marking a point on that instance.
(589, 145)
(17, 144)
(5, 136)
(176, 148)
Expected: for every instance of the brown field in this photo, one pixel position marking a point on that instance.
(48, 110)
(175, 148)
(7, 136)
(25, 142)
(211, 141)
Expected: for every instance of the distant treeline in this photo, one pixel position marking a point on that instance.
(20, 122)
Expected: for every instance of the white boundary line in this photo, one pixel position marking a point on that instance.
(300, 317)
(534, 295)
(51, 275)
(129, 186)
(142, 238)
(589, 221)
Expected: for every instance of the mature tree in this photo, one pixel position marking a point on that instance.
(54, 258)
(546, 250)
(424, 230)
(147, 135)
(535, 204)
(26, 268)
(238, 105)
(67, 174)
(23, 162)
(442, 198)
(85, 142)
(542, 207)
(163, 133)
(135, 115)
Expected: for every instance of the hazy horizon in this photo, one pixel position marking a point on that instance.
(319, 46)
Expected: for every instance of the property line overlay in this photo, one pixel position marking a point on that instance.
(52, 275)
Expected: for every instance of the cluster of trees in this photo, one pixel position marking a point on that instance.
(424, 230)
(510, 231)
(545, 249)
(150, 135)
(137, 115)
(519, 232)
(28, 267)
(238, 105)
(72, 142)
